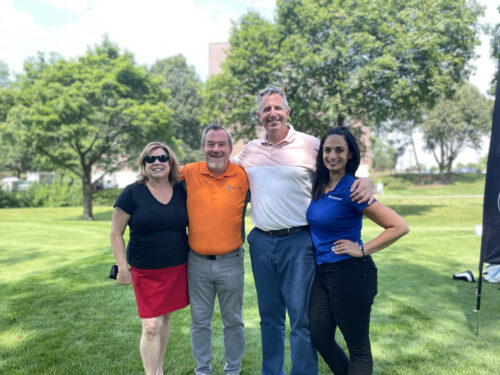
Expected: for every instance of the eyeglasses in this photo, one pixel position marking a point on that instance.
(161, 158)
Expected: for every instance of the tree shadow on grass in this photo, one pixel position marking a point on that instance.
(98, 216)
(413, 210)
(72, 319)
(20, 257)
(489, 314)
(104, 215)
(417, 316)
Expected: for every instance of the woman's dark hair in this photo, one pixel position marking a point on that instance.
(322, 174)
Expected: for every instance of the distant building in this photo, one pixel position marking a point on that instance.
(116, 180)
(44, 178)
(216, 55)
(16, 184)
(10, 183)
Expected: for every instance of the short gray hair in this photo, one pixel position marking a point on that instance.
(268, 90)
(215, 127)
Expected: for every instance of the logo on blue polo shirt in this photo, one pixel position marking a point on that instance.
(334, 197)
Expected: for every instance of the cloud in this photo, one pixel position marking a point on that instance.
(73, 6)
(150, 29)
(18, 34)
(485, 67)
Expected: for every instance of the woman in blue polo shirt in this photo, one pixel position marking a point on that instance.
(346, 277)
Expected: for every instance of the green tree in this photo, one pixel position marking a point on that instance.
(253, 61)
(342, 60)
(15, 157)
(95, 112)
(456, 123)
(185, 98)
(4, 74)
(385, 156)
(406, 124)
(495, 52)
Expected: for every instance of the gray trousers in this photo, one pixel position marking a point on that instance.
(224, 277)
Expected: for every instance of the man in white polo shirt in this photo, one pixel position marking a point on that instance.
(279, 166)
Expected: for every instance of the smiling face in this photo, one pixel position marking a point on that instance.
(336, 154)
(273, 115)
(157, 169)
(217, 151)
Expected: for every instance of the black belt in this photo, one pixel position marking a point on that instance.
(284, 232)
(219, 256)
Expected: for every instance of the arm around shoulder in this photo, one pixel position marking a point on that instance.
(362, 190)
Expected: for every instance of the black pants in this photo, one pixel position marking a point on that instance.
(342, 295)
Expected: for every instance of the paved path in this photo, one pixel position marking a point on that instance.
(431, 196)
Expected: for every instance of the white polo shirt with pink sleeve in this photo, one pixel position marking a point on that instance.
(280, 177)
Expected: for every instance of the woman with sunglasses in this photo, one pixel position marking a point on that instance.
(154, 208)
(345, 282)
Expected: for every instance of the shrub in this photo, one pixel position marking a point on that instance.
(394, 183)
(106, 197)
(62, 192)
(9, 199)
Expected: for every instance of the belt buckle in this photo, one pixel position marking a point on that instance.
(280, 232)
(211, 257)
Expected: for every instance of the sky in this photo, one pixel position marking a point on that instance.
(153, 30)
(150, 29)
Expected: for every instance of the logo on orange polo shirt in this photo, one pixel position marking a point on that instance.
(231, 188)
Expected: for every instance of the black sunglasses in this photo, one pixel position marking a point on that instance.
(161, 158)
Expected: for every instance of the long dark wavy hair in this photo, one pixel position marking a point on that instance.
(322, 175)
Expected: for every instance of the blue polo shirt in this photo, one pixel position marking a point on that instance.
(334, 216)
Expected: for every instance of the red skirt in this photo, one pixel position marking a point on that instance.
(160, 291)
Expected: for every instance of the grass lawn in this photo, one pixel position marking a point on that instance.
(60, 314)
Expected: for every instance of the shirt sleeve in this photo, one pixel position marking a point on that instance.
(125, 200)
(239, 158)
(359, 206)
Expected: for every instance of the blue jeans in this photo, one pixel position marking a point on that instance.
(342, 296)
(283, 269)
(224, 277)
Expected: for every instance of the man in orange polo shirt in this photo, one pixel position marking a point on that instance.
(216, 202)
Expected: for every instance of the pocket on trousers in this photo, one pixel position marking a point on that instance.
(250, 235)
(371, 281)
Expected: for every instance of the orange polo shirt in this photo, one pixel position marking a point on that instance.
(215, 208)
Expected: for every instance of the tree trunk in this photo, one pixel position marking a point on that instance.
(415, 154)
(449, 166)
(87, 194)
(439, 162)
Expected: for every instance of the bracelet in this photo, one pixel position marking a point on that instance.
(362, 248)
